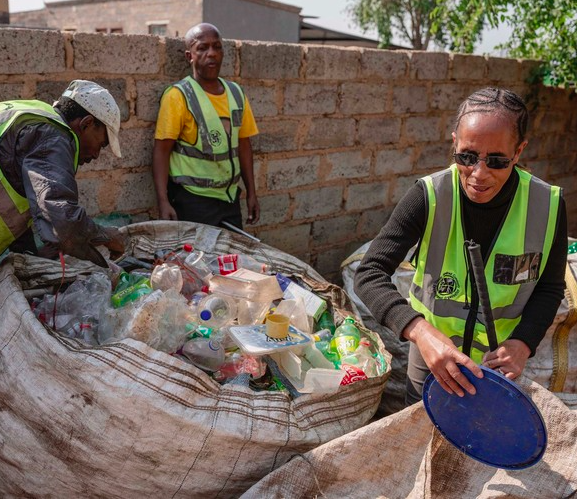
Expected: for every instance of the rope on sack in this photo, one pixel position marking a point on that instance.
(561, 335)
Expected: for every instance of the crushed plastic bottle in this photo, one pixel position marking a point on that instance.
(227, 264)
(363, 359)
(205, 353)
(216, 311)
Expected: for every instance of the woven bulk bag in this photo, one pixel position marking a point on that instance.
(125, 420)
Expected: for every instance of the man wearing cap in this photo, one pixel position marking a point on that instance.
(202, 145)
(41, 147)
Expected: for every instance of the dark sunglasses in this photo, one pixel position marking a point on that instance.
(471, 159)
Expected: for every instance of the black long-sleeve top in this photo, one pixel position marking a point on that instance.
(481, 222)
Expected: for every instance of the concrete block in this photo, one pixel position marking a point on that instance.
(88, 193)
(49, 91)
(317, 202)
(468, 67)
(293, 240)
(329, 261)
(262, 100)
(384, 64)
(429, 65)
(148, 94)
(29, 51)
(394, 161)
(349, 164)
(310, 98)
(275, 136)
(11, 91)
(325, 133)
(401, 186)
(372, 221)
(136, 146)
(364, 196)
(292, 172)
(334, 230)
(411, 99)
(434, 156)
(136, 192)
(273, 209)
(423, 129)
(274, 61)
(379, 130)
(503, 70)
(529, 71)
(331, 63)
(363, 98)
(101, 53)
(448, 96)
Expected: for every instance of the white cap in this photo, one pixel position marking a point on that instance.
(100, 104)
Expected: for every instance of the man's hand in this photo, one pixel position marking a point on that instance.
(509, 359)
(253, 209)
(166, 211)
(442, 357)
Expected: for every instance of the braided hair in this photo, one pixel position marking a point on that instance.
(496, 100)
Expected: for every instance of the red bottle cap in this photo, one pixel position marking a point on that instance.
(187, 248)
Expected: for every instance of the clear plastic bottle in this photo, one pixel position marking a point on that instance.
(326, 321)
(197, 263)
(346, 338)
(363, 359)
(192, 281)
(205, 353)
(227, 264)
(216, 311)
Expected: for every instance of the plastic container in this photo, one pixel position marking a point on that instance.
(196, 263)
(165, 277)
(205, 353)
(216, 311)
(346, 338)
(314, 304)
(363, 359)
(227, 264)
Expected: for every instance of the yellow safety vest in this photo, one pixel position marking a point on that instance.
(211, 166)
(14, 209)
(512, 268)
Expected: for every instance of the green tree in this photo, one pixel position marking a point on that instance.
(454, 24)
(545, 30)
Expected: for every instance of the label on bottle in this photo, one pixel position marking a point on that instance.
(345, 345)
(227, 264)
(353, 374)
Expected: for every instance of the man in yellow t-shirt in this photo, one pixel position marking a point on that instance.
(202, 141)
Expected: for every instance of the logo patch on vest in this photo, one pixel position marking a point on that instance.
(447, 286)
(215, 138)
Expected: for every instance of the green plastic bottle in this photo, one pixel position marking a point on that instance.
(346, 338)
(326, 321)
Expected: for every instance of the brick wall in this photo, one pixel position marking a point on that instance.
(344, 132)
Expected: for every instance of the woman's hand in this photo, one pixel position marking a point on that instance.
(442, 357)
(509, 359)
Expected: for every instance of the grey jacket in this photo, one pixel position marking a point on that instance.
(37, 159)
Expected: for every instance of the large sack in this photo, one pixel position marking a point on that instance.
(125, 420)
(403, 456)
(554, 365)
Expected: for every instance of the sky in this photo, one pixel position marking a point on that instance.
(330, 14)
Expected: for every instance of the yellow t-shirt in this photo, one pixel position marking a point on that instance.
(175, 121)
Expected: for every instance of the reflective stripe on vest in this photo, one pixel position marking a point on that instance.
(438, 289)
(211, 166)
(14, 208)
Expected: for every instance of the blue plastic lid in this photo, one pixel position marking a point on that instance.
(205, 315)
(499, 426)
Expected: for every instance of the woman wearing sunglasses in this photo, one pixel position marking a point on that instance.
(520, 224)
